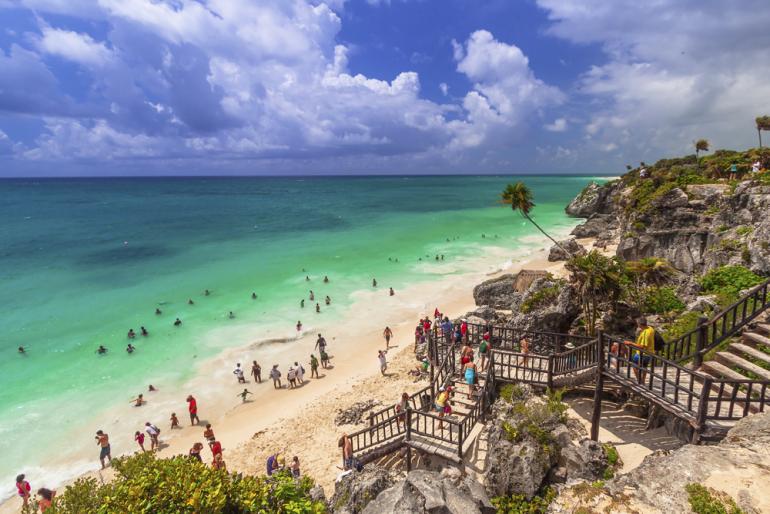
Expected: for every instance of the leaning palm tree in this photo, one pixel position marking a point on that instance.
(701, 145)
(597, 279)
(520, 198)
(646, 273)
(763, 123)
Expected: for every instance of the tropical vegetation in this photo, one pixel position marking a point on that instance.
(520, 198)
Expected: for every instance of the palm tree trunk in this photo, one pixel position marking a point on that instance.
(546, 234)
(759, 133)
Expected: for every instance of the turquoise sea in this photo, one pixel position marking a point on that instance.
(84, 260)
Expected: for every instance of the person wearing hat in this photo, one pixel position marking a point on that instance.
(23, 488)
(571, 358)
(441, 404)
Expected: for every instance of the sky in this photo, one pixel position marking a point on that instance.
(279, 87)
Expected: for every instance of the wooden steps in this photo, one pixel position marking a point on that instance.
(719, 370)
(763, 328)
(749, 351)
(432, 446)
(755, 339)
(734, 361)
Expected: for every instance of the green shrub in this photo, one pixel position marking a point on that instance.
(681, 325)
(518, 503)
(731, 245)
(722, 228)
(146, 484)
(661, 300)
(744, 230)
(704, 500)
(511, 393)
(542, 297)
(729, 280)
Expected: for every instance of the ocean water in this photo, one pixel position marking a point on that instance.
(84, 260)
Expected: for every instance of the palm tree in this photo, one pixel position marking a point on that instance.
(646, 273)
(701, 145)
(520, 198)
(598, 282)
(763, 123)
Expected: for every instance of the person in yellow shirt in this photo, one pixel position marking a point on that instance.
(645, 340)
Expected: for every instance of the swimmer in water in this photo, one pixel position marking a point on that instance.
(312, 296)
(190, 302)
(307, 279)
(302, 303)
(206, 292)
(131, 333)
(299, 326)
(152, 388)
(374, 282)
(317, 308)
(158, 311)
(326, 279)
(130, 348)
(231, 315)
(392, 292)
(21, 349)
(328, 301)
(138, 401)
(253, 296)
(101, 350)
(177, 322)
(144, 331)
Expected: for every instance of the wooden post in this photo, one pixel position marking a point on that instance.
(460, 441)
(549, 379)
(701, 341)
(598, 392)
(408, 438)
(703, 406)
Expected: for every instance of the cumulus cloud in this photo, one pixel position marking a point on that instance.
(558, 125)
(77, 47)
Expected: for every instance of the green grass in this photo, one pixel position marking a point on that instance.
(704, 500)
(518, 503)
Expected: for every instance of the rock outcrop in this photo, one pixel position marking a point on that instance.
(590, 201)
(564, 250)
(496, 293)
(353, 414)
(354, 491)
(423, 492)
(548, 305)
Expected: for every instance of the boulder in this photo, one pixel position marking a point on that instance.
(353, 414)
(554, 316)
(354, 491)
(703, 303)
(496, 293)
(672, 199)
(564, 250)
(586, 460)
(596, 225)
(707, 192)
(426, 492)
(589, 201)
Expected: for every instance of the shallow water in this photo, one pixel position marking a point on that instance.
(84, 260)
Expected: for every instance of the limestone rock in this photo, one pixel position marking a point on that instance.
(588, 202)
(353, 414)
(586, 460)
(526, 277)
(596, 225)
(497, 292)
(672, 199)
(558, 253)
(354, 491)
(554, 316)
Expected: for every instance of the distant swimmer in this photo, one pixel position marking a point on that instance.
(206, 292)
(374, 282)
(328, 301)
(144, 331)
(436, 257)
(177, 322)
(231, 315)
(101, 350)
(190, 302)
(299, 327)
(317, 308)
(312, 296)
(442, 256)
(326, 279)
(152, 389)
(392, 292)
(302, 303)
(253, 296)
(158, 311)
(307, 278)
(22, 350)
(130, 348)
(138, 401)
(131, 333)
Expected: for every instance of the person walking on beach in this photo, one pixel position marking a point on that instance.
(192, 408)
(23, 489)
(243, 394)
(174, 421)
(387, 334)
(299, 371)
(256, 372)
(139, 438)
(320, 343)
(383, 362)
(324, 359)
(238, 372)
(103, 440)
(291, 377)
(313, 366)
(276, 376)
(153, 432)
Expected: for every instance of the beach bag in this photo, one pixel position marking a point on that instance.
(660, 343)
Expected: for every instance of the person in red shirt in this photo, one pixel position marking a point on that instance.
(192, 407)
(216, 448)
(23, 488)
(464, 330)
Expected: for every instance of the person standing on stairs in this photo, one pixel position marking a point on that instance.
(645, 342)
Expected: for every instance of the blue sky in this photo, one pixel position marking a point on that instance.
(174, 87)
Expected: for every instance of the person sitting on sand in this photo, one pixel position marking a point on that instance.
(256, 372)
(174, 421)
(101, 350)
(138, 401)
(45, 499)
(243, 394)
(299, 371)
(276, 376)
(158, 311)
(177, 322)
(139, 438)
(313, 366)
(291, 376)
(131, 333)
(208, 434)
(324, 359)
(144, 331)
(130, 348)
(23, 489)
(195, 452)
(238, 372)
(421, 368)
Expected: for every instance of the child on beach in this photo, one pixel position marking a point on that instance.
(383, 361)
(243, 395)
(313, 366)
(139, 438)
(295, 467)
(208, 434)
(174, 421)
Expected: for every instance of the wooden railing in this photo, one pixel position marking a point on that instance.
(384, 431)
(735, 399)
(390, 411)
(709, 333)
(508, 338)
(522, 367)
(575, 360)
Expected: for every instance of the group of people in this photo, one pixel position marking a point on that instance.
(24, 490)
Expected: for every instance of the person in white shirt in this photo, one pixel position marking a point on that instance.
(238, 372)
(153, 432)
(299, 371)
(755, 167)
(383, 362)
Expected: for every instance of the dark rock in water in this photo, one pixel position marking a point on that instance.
(496, 293)
(354, 491)
(423, 492)
(590, 201)
(353, 414)
(564, 250)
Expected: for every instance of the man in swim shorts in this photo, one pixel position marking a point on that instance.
(103, 440)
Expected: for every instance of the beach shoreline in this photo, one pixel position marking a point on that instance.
(353, 349)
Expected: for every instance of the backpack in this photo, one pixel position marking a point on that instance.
(660, 343)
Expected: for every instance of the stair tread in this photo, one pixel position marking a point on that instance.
(751, 352)
(764, 327)
(742, 363)
(753, 337)
(720, 370)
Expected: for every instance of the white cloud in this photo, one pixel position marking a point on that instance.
(558, 125)
(77, 47)
(444, 88)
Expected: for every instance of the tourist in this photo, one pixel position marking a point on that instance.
(302, 304)
(177, 322)
(216, 448)
(524, 349)
(22, 350)
(144, 331)
(446, 330)
(192, 408)
(291, 377)
(195, 452)
(101, 350)
(139, 438)
(46, 498)
(320, 343)
(441, 404)
(317, 308)
(153, 432)
(131, 333)
(426, 324)
(218, 462)
(253, 296)
(466, 355)
(295, 467)
(206, 292)
(401, 407)
(299, 327)
(276, 376)
(485, 348)
(299, 371)
(130, 349)
(383, 362)
(208, 434)
(324, 359)
(238, 372)
(231, 315)
(387, 334)
(151, 388)
(326, 279)
(374, 282)
(103, 440)
(469, 370)
(756, 166)
(256, 372)
(328, 301)
(174, 421)
(23, 489)
(243, 394)
(313, 366)
(391, 292)
(464, 330)
(307, 278)
(275, 463)
(418, 336)
(645, 344)
(312, 296)
(733, 171)
(158, 312)
(190, 302)
(138, 401)
(347, 452)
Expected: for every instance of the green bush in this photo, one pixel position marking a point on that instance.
(661, 300)
(511, 393)
(146, 484)
(744, 230)
(729, 280)
(542, 297)
(518, 503)
(704, 500)
(681, 325)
